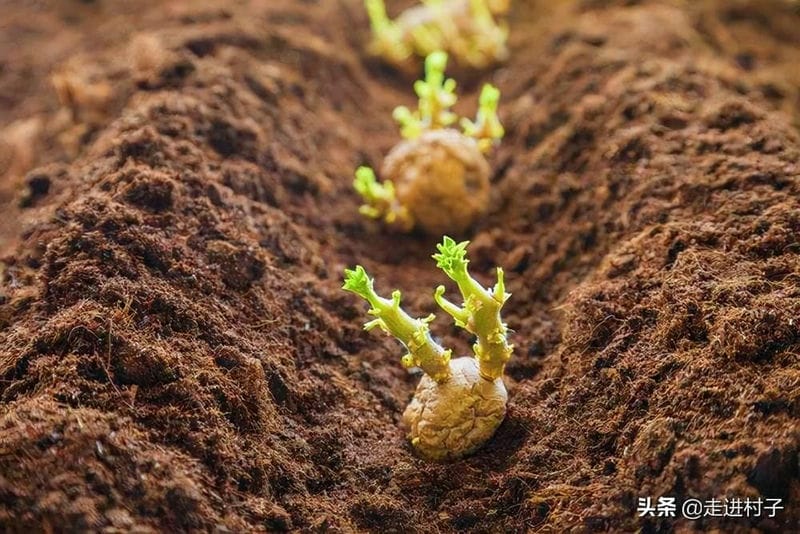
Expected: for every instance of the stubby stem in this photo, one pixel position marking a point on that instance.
(460, 315)
(482, 307)
(436, 96)
(387, 35)
(380, 200)
(423, 351)
(486, 129)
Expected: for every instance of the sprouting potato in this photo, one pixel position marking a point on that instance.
(442, 178)
(459, 403)
(437, 179)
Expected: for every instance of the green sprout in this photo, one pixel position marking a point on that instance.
(459, 402)
(423, 351)
(486, 129)
(480, 314)
(436, 96)
(487, 39)
(380, 200)
(387, 35)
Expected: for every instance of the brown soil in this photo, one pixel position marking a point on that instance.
(176, 353)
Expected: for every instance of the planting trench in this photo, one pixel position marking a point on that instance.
(175, 350)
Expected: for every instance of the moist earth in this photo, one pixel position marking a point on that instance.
(177, 210)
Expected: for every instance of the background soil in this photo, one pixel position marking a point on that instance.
(176, 353)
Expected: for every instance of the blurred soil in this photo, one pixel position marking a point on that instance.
(176, 204)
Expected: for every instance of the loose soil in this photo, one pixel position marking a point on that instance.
(175, 351)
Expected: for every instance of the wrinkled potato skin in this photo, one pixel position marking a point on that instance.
(450, 420)
(442, 178)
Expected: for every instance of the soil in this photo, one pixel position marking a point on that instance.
(177, 210)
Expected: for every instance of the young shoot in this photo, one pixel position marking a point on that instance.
(423, 351)
(437, 94)
(380, 201)
(459, 402)
(387, 36)
(466, 28)
(437, 179)
(486, 129)
(480, 313)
